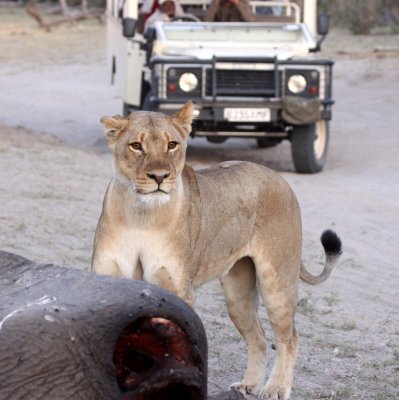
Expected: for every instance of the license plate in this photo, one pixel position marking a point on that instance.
(247, 114)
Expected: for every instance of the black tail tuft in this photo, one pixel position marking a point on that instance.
(331, 243)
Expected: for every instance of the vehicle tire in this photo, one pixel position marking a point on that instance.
(216, 139)
(309, 145)
(264, 143)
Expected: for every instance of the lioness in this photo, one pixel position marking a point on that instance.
(178, 228)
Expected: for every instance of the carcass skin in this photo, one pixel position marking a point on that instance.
(63, 336)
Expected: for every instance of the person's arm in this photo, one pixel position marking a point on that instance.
(210, 15)
(244, 9)
(146, 8)
(157, 16)
(179, 11)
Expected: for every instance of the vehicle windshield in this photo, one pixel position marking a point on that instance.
(222, 32)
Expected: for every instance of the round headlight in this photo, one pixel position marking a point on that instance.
(188, 82)
(297, 83)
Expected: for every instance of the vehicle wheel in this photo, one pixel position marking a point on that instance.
(264, 143)
(216, 139)
(309, 145)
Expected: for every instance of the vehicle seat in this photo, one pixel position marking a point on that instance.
(196, 11)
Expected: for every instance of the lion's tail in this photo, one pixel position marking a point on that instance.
(333, 249)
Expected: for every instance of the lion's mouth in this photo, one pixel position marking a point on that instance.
(159, 190)
(156, 191)
(155, 198)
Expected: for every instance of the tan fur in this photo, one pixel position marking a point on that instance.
(237, 222)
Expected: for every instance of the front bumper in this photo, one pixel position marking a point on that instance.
(263, 86)
(214, 111)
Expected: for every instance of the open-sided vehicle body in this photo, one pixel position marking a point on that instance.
(257, 79)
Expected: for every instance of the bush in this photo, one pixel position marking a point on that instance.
(360, 16)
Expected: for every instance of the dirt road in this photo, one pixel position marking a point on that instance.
(54, 169)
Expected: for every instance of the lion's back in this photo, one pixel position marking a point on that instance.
(243, 187)
(240, 179)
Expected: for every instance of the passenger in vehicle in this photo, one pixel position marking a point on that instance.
(168, 9)
(229, 11)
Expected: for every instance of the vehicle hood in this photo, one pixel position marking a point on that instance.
(202, 41)
(198, 53)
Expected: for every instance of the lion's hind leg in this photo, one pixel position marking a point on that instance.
(241, 294)
(278, 288)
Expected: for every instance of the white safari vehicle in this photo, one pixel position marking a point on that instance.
(257, 79)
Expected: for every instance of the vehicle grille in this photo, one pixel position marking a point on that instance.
(246, 83)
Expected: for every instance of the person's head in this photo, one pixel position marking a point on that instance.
(167, 7)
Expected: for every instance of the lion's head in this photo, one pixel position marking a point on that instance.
(149, 151)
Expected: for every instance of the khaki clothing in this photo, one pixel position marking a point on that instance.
(228, 12)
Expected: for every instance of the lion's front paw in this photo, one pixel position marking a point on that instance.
(274, 392)
(245, 388)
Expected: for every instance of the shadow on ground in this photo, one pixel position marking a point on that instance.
(202, 153)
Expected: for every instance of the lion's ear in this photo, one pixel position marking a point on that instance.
(185, 116)
(113, 128)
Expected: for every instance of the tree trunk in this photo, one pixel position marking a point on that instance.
(64, 7)
(32, 10)
(85, 7)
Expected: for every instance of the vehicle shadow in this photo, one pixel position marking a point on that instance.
(201, 153)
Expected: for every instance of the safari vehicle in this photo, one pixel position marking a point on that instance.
(251, 80)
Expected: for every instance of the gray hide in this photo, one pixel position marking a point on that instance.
(59, 328)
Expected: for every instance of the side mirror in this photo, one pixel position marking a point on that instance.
(323, 24)
(150, 34)
(129, 27)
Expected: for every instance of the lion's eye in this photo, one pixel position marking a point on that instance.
(135, 146)
(172, 145)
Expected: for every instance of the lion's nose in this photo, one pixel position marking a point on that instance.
(158, 178)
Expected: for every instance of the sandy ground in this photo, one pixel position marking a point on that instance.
(54, 169)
